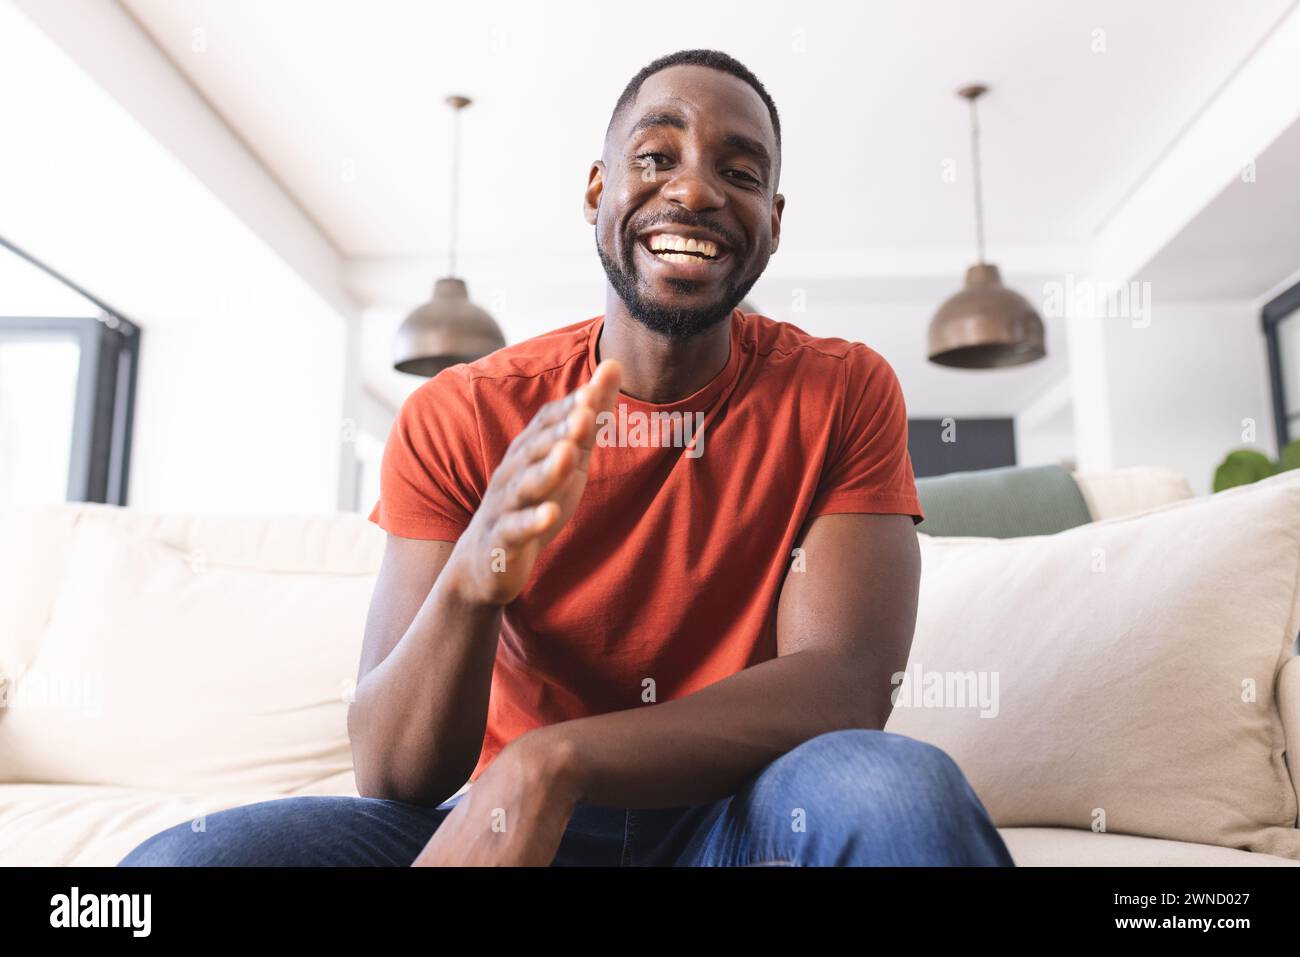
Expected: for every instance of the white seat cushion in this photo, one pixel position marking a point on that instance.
(95, 826)
(1058, 846)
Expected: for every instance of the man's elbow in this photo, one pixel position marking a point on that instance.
(868, 714)
(370, 780)
(386, 782)
(864, 700)
(380, 770)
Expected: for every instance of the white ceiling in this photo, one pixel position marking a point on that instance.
(343, 102)
(1241, 244)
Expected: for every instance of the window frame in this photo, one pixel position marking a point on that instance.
(99, 465)
(1279, 309)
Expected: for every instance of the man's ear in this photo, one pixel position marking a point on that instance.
(778, 207)
(595, 186)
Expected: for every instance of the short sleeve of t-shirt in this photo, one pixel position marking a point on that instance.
(431, 477)
(870, 469)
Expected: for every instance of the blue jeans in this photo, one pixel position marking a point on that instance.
(851, 797)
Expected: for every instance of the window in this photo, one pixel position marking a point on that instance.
(67, 389)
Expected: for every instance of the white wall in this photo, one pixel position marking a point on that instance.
(1045, 429)
(240, 402)
(1181, 387)
(242, 377)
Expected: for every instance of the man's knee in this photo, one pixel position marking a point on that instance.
(265, 833)
(294, 831)
(860, 766)
(179, 846)
(870, 796)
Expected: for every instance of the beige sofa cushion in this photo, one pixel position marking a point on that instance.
(1135, 662)
(1128, 491)
(33, 548)
(166, 668)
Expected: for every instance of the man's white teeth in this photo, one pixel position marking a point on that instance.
(679, 258)
(667, 242)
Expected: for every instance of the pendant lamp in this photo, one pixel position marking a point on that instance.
(985, 325)
(448, 329)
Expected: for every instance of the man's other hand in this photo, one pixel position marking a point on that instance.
(514, 815)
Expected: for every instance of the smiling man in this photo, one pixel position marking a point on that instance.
(671, 651)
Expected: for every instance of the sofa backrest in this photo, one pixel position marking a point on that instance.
(181, 653)
(1117, 492)
(1015, 501)
(1001, 503)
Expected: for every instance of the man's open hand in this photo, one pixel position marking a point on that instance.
(533, 491)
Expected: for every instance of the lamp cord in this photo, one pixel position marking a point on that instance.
(455, 189)
(979, 187)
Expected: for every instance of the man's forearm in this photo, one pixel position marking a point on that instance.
(418, 718)
(704, 746)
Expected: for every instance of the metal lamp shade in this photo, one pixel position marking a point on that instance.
(447, 330)
(986, 325)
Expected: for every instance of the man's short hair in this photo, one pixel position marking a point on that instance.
(714, 59)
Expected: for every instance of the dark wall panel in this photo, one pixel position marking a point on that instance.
(976, 444)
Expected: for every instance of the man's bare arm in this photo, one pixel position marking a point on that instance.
(844, 628)
(426, 669)
(420, 710)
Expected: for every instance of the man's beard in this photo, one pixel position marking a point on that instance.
(669, 320)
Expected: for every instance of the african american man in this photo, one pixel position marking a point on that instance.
(648, 577)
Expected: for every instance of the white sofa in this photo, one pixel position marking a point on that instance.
(157, 669)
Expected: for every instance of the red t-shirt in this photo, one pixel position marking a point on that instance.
(666, 578)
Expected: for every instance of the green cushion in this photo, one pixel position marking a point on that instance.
(1002, 503)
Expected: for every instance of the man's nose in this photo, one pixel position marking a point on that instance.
(694, 187)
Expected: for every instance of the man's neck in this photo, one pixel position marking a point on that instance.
(659, 368)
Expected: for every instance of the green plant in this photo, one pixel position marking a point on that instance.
(1246, 465)
(1290, 456)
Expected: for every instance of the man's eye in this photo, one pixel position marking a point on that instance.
(650, 159)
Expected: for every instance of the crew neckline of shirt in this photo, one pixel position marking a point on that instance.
(699, 399)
